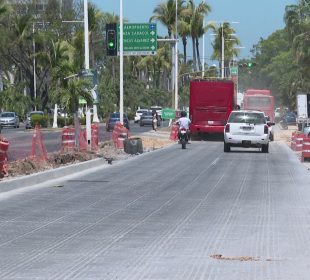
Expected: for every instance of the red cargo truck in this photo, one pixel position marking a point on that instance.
(259, 99)
(210, 103)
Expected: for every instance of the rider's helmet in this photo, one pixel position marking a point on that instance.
(183, 114)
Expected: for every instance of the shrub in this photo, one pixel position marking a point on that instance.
(39, 119)
(62, 121)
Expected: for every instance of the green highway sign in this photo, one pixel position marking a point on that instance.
(168, 113)
(138, 38)
(234, 70)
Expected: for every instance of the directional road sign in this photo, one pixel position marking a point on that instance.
(234, 70)
(139, 38)
(168, 113)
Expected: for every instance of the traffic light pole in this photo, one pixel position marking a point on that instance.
(176, 88)
(121, 64)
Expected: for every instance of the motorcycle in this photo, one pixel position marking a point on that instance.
(183, 139)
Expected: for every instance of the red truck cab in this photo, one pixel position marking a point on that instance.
(210, 103)
(260, 99)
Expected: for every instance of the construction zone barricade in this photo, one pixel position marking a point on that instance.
(293, 141)
(82, 140)
(305, 153)
(94, 136)
(174, 132)
(4, 146)
(119, 134)
(133, 146)
(68, 139)
(299, 138)
(38, 150)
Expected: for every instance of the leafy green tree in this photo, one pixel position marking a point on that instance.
(73, 90)
(11, 99)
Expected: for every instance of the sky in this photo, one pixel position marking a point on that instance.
(256, 19)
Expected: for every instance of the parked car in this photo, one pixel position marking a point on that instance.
(147, 119)
(28, 124)
(290, 118)
(8, 119)
(113, 118)
(139, 112)
(246, 129)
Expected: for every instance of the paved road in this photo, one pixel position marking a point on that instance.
(171, 214)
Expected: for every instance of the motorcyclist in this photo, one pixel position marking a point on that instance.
(184, 122)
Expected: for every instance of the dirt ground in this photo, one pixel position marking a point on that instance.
(106, 150)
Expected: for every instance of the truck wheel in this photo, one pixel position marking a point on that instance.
(265, 148)
(226, 148)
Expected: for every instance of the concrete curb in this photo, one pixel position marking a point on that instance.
(52, 174)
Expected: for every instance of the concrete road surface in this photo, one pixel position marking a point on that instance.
(171, 214)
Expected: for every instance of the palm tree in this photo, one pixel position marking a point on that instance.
(73, 90)
(298, 27)
(156, 67)
(184, 30)
(195, 17)
(95, 23)
(230, 43)
(4, 8)
(165, 14)
(11, 99)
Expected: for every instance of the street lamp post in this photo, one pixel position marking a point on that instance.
(86, 39)
(121, 65)
(176, 58)
(34, 70)
(223, 57)
(223, 47)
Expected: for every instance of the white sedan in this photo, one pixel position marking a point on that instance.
(246, 129)
(139, 113)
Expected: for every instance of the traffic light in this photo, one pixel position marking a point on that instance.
(249, 64)
(111, 39)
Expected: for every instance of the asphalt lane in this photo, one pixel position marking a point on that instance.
(171, 214)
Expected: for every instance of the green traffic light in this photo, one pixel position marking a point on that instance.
(250, 64)
(111, 45)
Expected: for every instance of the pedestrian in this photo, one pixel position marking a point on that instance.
(154, 119)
